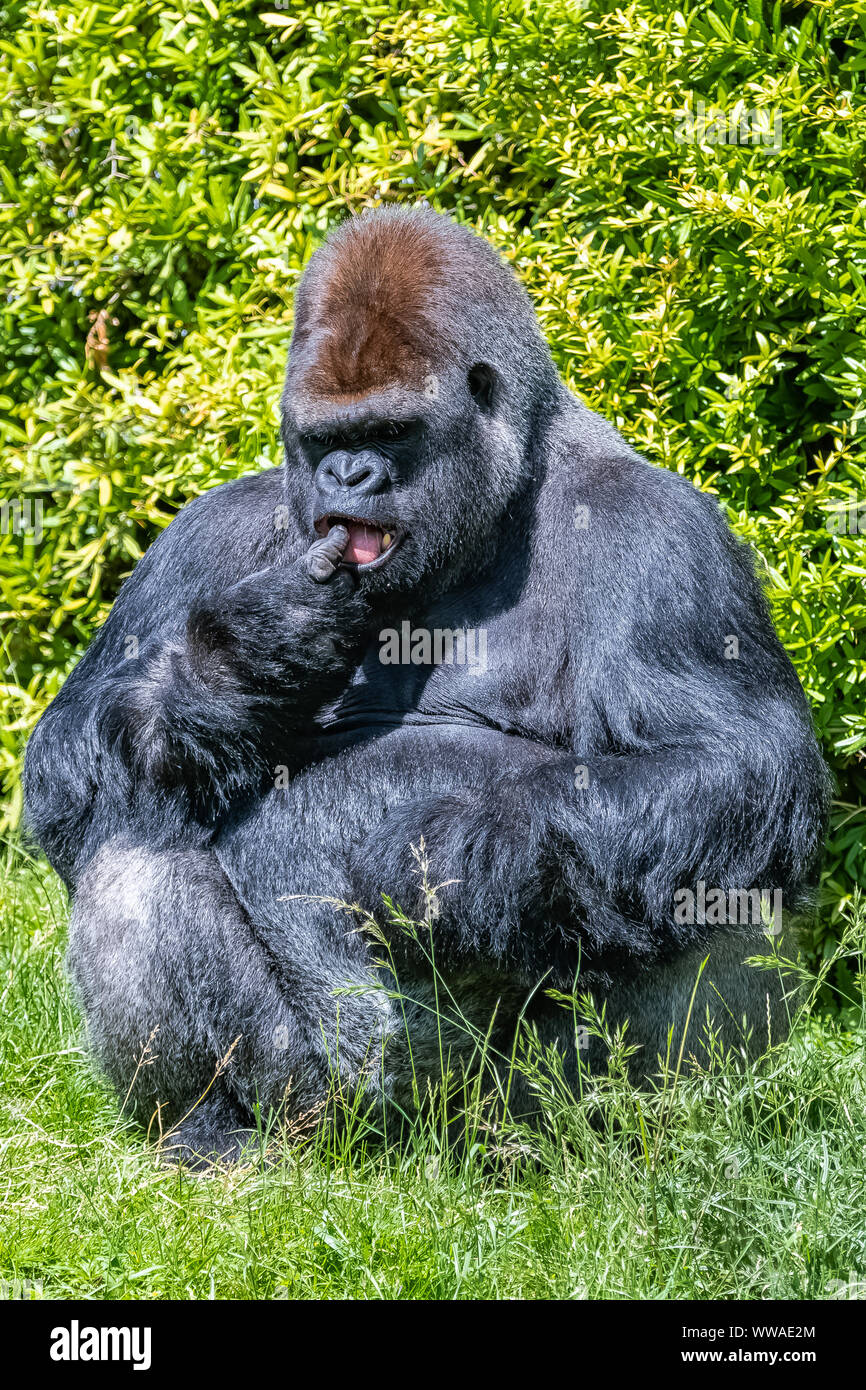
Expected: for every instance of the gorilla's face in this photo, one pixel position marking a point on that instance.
(413, 375)
(418, 477)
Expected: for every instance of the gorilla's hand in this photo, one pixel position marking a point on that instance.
(215, 709)
(322, 560)
(283, 630)
(389, 858)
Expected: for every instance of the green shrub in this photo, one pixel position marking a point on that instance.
(168, 167)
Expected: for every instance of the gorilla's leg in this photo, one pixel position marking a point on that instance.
(185, 1003)
(737, 1011)
(737, 1008)
(291, 855)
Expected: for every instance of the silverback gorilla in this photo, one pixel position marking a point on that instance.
(635, 735)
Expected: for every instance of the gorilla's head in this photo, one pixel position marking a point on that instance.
(417, 385)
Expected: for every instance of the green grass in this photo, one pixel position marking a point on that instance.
(741, 1185)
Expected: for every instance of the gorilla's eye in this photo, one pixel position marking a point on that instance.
(481, 380)
(318, 441)
(375, 433)
(395, 429)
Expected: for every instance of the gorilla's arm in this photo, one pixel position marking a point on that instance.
(195, 685)
(691, 756)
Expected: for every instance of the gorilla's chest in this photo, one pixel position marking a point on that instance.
(417, 675)
(441, 672)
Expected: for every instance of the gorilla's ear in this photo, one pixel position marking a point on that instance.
(482, 381)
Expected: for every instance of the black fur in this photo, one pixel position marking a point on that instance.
(608, 590)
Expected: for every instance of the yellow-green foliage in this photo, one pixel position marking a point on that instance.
(167, 169)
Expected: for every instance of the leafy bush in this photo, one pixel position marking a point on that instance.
(167, 169)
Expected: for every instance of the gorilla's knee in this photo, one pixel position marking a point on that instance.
(134, 916)
(180, 992)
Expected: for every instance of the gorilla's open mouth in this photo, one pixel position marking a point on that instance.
(370, 542)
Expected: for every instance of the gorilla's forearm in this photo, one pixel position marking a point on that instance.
(217, 706)
(578, 860)
(160, 744)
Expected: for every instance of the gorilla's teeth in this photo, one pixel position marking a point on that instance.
(386, 540)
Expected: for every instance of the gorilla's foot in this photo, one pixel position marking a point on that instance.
(213, 1136)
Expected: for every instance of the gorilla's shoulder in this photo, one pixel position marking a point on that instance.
(604, 474)
(242, 502)
(646, 525)
(220, 536)
(237, 514)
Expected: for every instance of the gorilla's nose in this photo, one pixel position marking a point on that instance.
(363, 471)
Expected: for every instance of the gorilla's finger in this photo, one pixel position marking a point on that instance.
(324, 555)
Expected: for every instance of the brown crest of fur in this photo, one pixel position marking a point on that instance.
(370, 322)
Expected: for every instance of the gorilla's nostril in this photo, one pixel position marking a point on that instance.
(357, 475)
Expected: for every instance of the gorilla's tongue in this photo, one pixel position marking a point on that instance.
(363, 543)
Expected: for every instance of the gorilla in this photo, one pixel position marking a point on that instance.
(464, 626)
